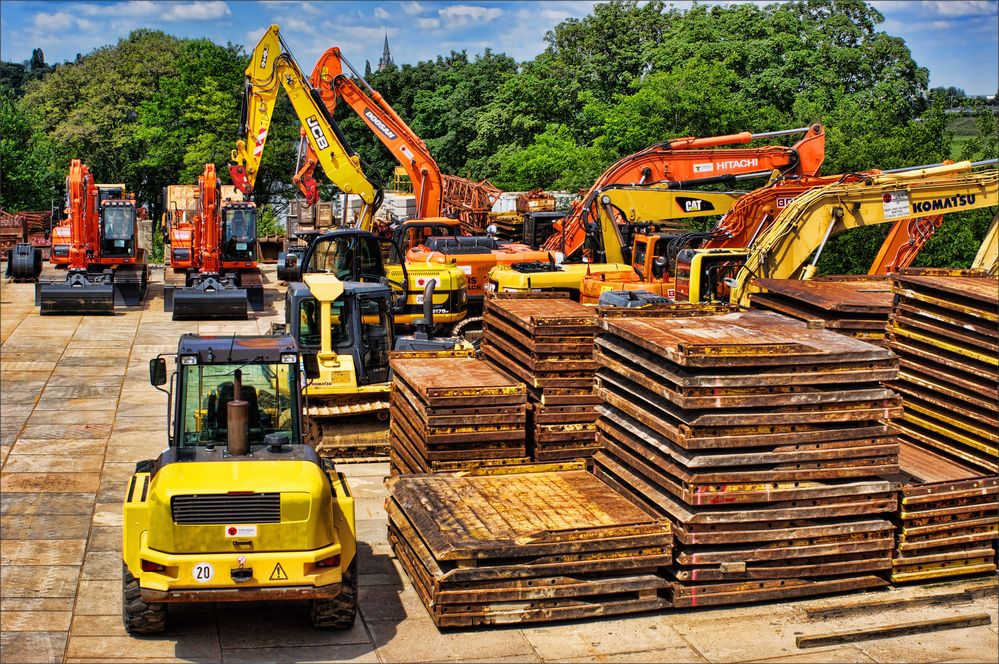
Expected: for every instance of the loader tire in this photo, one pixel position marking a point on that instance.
(339, 612)
(139, 616)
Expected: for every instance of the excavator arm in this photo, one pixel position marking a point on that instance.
(686, 161)
(801, 231)
(988, 254)
(272, 65)
(410, 151)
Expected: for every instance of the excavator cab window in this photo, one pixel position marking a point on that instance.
(348, 257)
(239, 233)
(117, 230)
(376, 321)
(309, 334)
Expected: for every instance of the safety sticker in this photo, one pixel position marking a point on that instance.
(704, 168)
(279, 574)
(896, 205)
(203, 572)
(240, 531)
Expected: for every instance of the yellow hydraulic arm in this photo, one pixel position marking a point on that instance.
(988, 254)
(270, 65)
(806, 224)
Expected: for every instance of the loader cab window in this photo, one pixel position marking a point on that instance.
(309, 333)
(239, 232)
(117, 230)
(267, 388)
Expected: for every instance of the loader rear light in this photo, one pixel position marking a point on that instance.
(332, 561)
(150, 566)
(188, 359)
(289, 358)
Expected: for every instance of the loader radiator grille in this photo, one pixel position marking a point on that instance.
(226, 508)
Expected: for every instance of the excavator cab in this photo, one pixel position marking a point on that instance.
(705, 275)
(117, 228)
(239, 232)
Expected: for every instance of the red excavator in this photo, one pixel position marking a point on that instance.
(219, 277)
(685, 162)
(105, 266)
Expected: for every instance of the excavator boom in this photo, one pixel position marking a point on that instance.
(687, 161)
(272, 65)
(801, 231)
(988, 254)
(333, 84)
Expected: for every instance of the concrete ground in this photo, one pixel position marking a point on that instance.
(77, 412)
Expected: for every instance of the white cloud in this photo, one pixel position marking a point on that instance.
(295, 23)
(163, 11)
(196, 11)
(381, 13)
(459, 16)
(412, 8)
(428, 23)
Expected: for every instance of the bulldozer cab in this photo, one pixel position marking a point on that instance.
(207, 372)
(117, 228)
(239, 232)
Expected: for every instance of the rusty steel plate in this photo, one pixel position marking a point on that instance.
(691, 595)
(818, 318)
(913, 429)
(617, 423)
(537, 362)
(457, 379)
(542, 414)
(614, 389)
(855, 295)
(929, 355)
(545, 316)
(511, 365)
(705, 488)
(939, 382)
(856, 499)
(562, 343)
(981, 290)
(982, 421)
(670, 310)
(795, 373)
(948, 317)
(741, 339)
(930, 331)
(511, 415)
(936, 472)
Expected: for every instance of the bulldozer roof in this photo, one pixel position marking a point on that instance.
(242, 349)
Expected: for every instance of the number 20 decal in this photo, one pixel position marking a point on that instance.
(203, 572)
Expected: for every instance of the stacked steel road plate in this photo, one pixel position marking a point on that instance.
(548, 344)
(762, 441)
(856, 306)
(450, 413)
(525, 545)
(948, 520)
(944, 331)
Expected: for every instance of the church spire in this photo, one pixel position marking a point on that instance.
(386, 59)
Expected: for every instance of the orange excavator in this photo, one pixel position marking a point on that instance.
(654, 255)
(430, 237)
(105, 266)
(684, 162)
(220, 278)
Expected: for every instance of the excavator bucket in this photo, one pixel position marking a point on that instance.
(210, 300)
(80, 294)
(24, 262)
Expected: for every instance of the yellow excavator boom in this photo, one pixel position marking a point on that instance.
(271, 66)
(803, 228)
(988, 254)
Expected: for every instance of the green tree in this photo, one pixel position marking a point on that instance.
(28, 181)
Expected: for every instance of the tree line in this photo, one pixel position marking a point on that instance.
(152, 109)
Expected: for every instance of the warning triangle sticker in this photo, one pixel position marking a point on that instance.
(279, 574)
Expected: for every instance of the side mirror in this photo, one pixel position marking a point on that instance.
(659, 267)
(157, 371)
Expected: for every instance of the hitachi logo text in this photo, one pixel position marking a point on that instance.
(317, 132)
(733, 164)
(378, 123)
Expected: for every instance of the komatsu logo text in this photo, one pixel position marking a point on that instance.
(373, 119)
(317, 132)
(955, 201)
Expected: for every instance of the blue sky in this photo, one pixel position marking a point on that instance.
(957, 40)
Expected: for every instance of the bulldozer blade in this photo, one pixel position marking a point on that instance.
(76, 297)
(202, 304)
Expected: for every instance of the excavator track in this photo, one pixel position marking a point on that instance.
(348, 430)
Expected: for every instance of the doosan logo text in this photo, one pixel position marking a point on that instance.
(378, 123)
(317, 132)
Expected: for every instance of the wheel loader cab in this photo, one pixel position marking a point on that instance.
(237, 508)
(117, 229)
(348, 256)
(703, 275)
(239, 232)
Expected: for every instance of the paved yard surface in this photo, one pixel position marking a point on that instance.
(77, 412)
